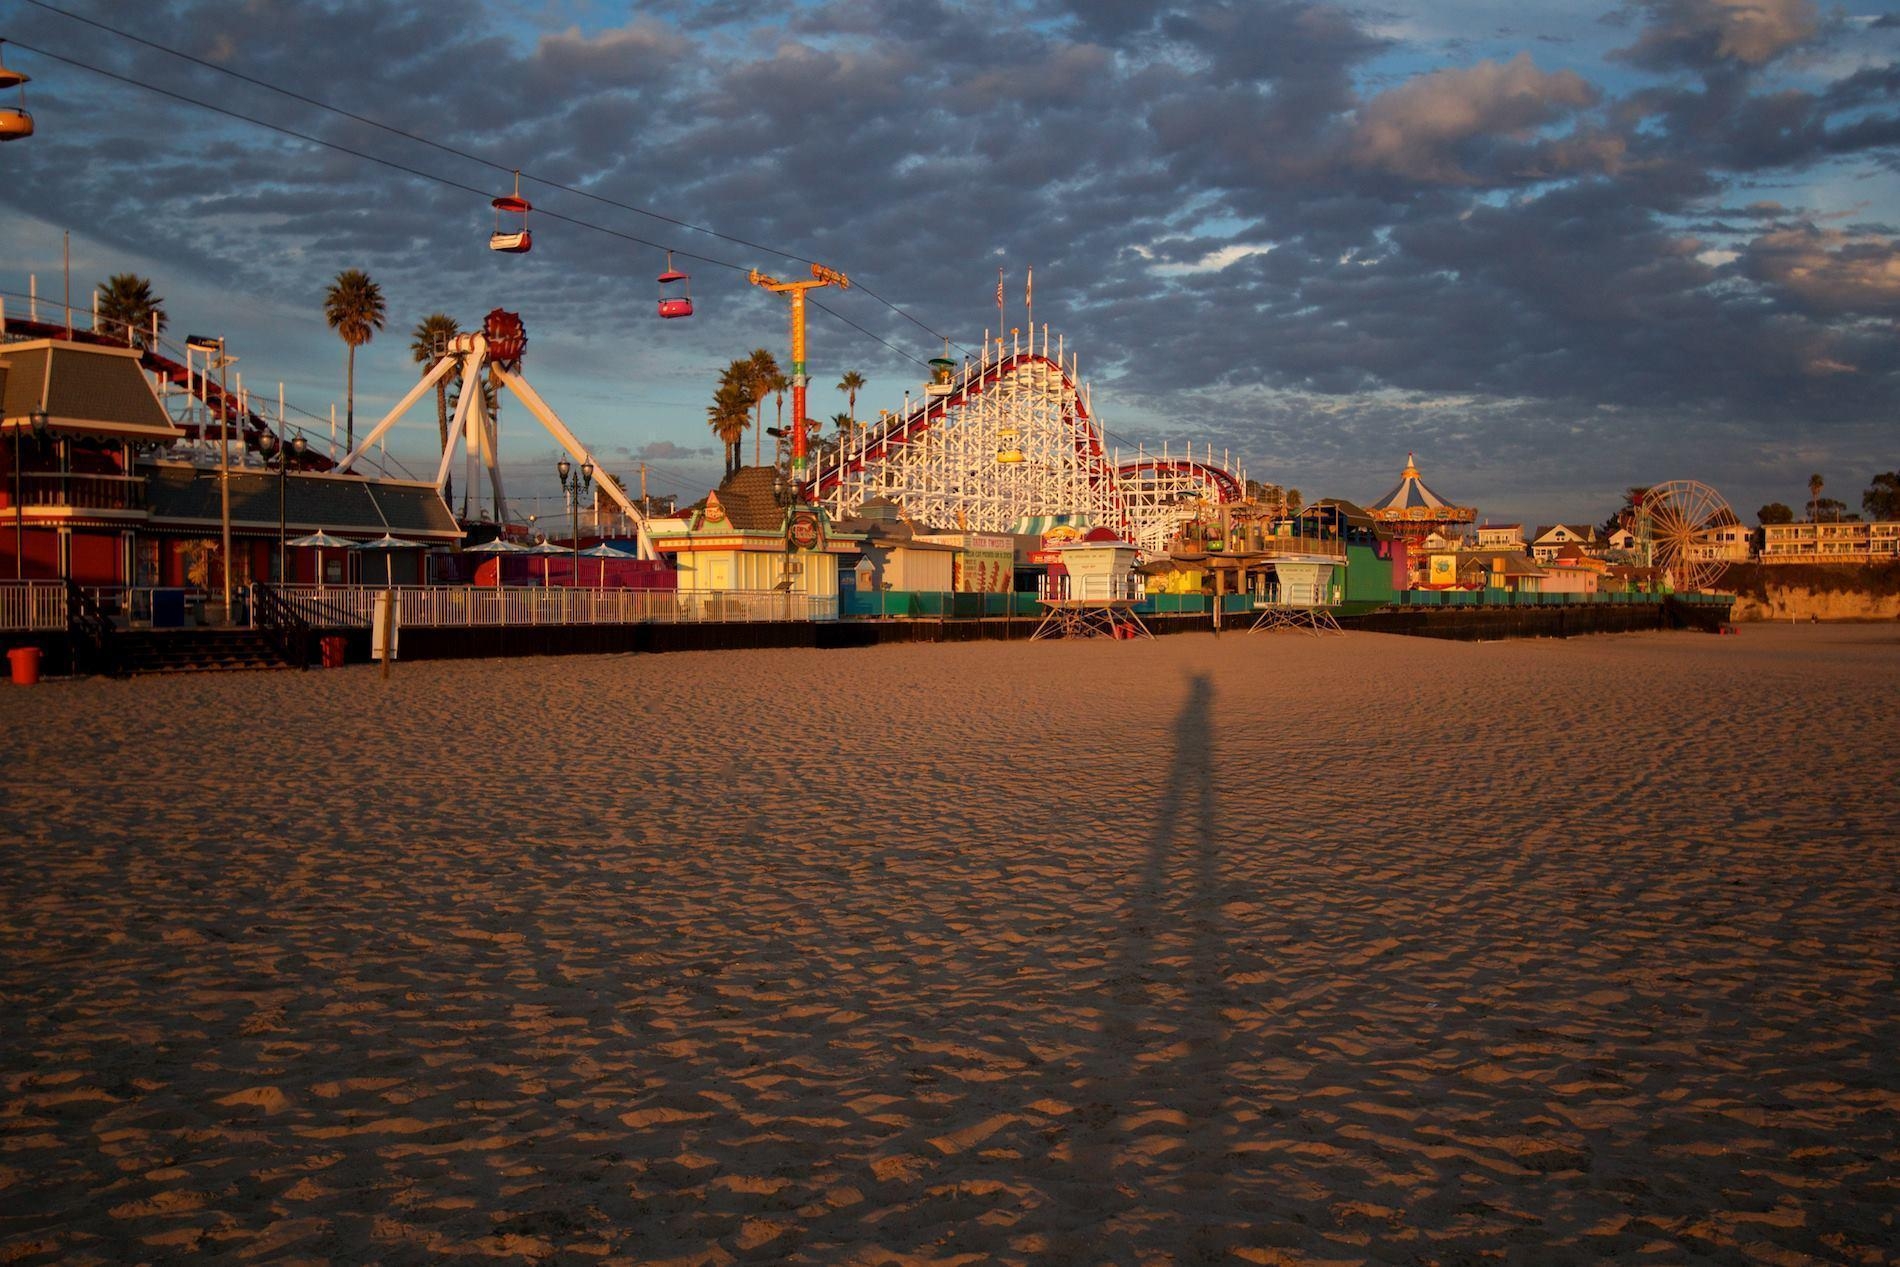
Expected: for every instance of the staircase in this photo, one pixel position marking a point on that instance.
(195, 650)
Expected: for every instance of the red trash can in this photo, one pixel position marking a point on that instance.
(333, 653)
(25, 663)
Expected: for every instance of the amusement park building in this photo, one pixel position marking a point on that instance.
(741, 539)
(89, 494)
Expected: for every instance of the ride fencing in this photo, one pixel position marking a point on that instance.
(457, 606)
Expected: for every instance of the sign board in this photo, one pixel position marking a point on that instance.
(1444, 569)
(385, 626)
(715, 513)
(805, 531)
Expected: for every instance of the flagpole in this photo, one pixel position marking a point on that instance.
(999, 299)
(1029, 303)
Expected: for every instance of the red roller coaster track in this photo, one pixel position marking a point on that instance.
(251, 425)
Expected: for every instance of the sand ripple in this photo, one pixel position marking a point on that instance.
(1257, 950)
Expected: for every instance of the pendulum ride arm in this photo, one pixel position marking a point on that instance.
(576, 450)
(436, 373)
(468, 401)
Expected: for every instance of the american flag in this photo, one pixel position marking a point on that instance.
(999, 288)
(1029, 287)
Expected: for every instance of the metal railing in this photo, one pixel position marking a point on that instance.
(33, 606)
(91, 632)
(288, 628)
(1090, 589)
(450, 606)
(80, 492)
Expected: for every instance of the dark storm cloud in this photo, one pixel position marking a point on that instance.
(1227, 208)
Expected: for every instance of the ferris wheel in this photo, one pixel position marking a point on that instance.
(1676, 526)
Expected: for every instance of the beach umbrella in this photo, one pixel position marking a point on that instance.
(604, 552)
(320, 541)
(385, 545)
(500, 545)
(545, 549)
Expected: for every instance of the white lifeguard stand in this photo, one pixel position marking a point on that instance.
(1090, 607)
(1305, 591)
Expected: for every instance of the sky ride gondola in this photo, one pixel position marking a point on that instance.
(15, 121)
(675, 302)
(513, 235)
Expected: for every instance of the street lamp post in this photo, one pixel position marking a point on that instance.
(207, 345)
(270, 445)
(575, 485)
(784, 492)
(38, 422)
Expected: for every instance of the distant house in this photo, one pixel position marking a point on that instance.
(1571, 571)
(1513, 571)
(1621, 539)
(1726, 539)
(1551, 538)
(1501, 536)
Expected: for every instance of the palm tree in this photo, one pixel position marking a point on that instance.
(851, 384)
(843, 422)
(432, 332)
(761, 370)
(731, 410)
(1815, 485)
(354, 308)
(127, 304)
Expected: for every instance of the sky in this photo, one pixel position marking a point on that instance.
(1555, 248)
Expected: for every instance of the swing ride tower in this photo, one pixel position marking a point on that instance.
(820, 277)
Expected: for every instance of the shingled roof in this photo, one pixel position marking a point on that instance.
(83, 388)
(184, 495)
(746, 497)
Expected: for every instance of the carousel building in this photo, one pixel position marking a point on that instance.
(1412, 512)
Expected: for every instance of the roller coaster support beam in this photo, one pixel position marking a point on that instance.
(821, 276)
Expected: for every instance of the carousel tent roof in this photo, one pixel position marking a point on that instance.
(1410, 493)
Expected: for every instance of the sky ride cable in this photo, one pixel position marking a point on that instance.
(440, 180)
(450, 149)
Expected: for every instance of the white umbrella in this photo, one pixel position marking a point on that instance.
(385, 544)
(500, 545)
(604, 552)
(545, 548)
(320, 541)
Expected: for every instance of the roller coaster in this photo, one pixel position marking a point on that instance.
(1010, 436)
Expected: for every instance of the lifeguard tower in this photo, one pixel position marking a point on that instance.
(1096, 592)
(1300, 595)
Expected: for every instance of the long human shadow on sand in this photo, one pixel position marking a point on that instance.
(1149, 1154)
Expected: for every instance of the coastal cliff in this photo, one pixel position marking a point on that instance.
(1814, 592)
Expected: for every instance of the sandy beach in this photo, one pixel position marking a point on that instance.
(1253, 949)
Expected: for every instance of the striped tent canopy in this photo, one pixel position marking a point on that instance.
(1411, 499)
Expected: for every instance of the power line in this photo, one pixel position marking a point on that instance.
(459, 153)
(420, 174)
